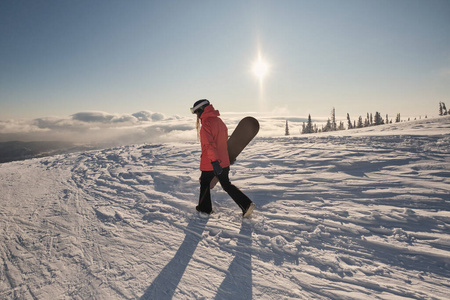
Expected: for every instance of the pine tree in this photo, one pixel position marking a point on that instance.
(387, 119)
(378, 119)
(441, 109)
(328, 126)
(350, 126)
(397, 120)
(444, 109)
(371, 119)
(309, 126)
(287, 128)
(360, 122)
(333, 120)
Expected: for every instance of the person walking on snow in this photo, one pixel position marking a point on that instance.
(214, 160)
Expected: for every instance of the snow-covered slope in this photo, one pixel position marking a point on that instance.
(361, 214)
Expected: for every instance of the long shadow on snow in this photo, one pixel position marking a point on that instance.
(165, 284)
(238, 282)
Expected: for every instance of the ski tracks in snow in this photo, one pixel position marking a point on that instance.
(363, 216)
(337, 218)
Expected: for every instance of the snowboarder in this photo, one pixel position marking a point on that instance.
(214, 160)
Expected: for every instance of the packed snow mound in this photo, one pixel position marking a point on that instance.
(340, 216)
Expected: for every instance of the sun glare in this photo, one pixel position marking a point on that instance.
(260, 68)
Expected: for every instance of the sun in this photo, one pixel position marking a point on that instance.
(260, 68)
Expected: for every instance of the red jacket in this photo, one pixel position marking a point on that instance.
(213, 138)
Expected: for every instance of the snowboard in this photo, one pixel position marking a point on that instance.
(244, 133)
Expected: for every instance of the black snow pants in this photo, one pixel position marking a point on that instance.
(204, 203)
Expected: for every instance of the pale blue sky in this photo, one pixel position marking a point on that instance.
(61, 57)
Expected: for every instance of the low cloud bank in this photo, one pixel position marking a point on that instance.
(101, 128)
(96, 127)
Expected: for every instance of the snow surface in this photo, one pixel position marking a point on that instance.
(361, 214)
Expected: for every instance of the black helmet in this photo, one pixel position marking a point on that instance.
(199, 106)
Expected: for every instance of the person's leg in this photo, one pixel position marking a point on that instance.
(204, 202)
(239, 197)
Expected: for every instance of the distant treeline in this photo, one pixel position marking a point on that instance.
(332, 125)
(369, 120)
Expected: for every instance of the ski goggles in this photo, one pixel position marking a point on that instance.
(199, 105)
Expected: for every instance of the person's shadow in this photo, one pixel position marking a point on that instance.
(238, 282)
(165, 284)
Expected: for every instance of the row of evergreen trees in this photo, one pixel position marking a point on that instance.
(370, 120)
(332, 125)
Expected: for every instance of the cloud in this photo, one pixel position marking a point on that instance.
(148, 116)
(93, 117)
(121, 129)
(51, 123)
(107, 118)
(101, 128)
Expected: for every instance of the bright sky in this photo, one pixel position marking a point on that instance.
(58, 58)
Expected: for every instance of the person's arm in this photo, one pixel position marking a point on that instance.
(208, 143)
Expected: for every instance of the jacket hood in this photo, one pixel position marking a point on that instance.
(209, 112)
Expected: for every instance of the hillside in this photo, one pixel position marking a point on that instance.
(17, 150)
(362, 214)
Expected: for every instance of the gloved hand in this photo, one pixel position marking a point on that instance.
(217, 168)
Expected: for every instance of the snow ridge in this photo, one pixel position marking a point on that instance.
(362, 216)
